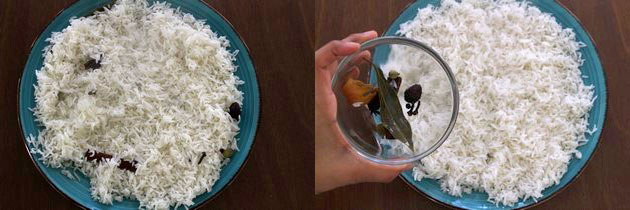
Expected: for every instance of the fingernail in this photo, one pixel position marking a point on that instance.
(369, 32)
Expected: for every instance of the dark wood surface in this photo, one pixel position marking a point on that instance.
(279, 172)
(604, 183)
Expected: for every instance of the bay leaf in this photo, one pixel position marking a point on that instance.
(392, 115)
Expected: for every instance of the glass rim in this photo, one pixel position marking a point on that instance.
(390, 40)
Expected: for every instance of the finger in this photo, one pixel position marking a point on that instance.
(365, 55)
(357, 60)
(330, 52)
(361, 37)
(354, 73)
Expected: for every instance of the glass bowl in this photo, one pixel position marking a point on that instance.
(417, 64)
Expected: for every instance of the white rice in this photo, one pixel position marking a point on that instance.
(160, 98)
(524, 106)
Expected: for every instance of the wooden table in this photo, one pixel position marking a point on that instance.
(279, 171)
(604, 184)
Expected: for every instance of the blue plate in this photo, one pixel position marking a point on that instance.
(592, 68)
(79, 191)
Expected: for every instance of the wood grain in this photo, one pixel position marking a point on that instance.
(279, 172)
(604, 183)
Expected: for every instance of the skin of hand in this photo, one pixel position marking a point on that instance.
(336, 164)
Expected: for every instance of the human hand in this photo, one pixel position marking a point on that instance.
(335, 164)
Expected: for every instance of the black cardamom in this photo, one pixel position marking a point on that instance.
(412, 97)
(235, 110)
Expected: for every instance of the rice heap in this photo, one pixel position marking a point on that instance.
(149, 85)
(523, 108)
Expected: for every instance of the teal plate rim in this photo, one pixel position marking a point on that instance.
(255, 109)
(602, 98)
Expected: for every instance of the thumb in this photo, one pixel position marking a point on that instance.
(330, 52)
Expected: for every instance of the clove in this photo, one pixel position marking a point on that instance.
(203, 155)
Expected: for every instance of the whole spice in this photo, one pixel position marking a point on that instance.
(374, 105)
(358, 93)
(203, 155)
(392, 116)
(92, 64)
(227, 153)
(129, 166)
(235, 110)
(394, 79)
(61, 96)
(412, 97)
(99, 156)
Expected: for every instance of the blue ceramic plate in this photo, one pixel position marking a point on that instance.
(79, 191)
(592, 68)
